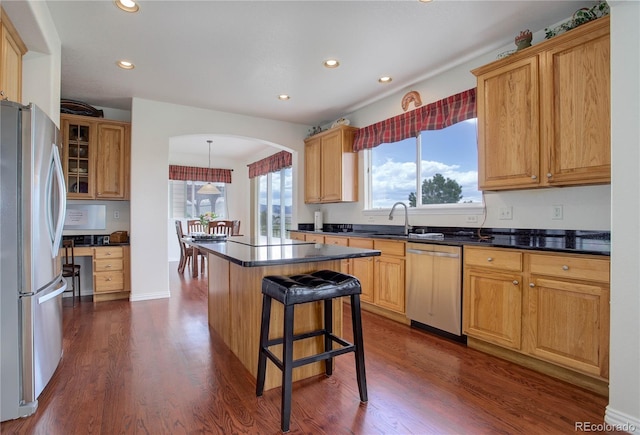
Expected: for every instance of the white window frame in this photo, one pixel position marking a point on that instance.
(269, 182)
(476, 208)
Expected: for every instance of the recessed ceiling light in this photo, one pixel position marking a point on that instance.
(125, 64)
(385, 79)
(425, 1)
(283, 97)
(331, 63)
(127, 5)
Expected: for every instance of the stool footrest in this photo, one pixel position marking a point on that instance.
(346, 348)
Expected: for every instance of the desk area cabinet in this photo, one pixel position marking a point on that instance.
(95, 157)
(111, 271)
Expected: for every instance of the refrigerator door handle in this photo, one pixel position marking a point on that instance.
(55, 175)
(62, 287)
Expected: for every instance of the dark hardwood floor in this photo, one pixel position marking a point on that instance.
(154, 367)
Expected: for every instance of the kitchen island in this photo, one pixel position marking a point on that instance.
(235, 271)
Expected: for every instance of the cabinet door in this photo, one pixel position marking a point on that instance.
(508, 126)
(568, 324)
(492, 309)
(363, 268)
(312, 171)
(111, 168)
(331, 167)
(78, 138)
(576, 107)
(12, 49)
(389, 283)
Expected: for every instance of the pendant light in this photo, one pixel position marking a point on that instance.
(209, 188)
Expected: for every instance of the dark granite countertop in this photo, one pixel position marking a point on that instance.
(570, 241)
(248, 252)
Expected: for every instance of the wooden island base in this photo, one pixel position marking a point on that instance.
(235, 306)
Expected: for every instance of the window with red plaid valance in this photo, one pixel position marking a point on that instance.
(434, 116)
(192, 173)
(273, 163)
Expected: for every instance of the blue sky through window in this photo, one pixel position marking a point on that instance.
(451, 152)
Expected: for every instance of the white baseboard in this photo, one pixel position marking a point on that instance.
(148, 296)
(621, 421)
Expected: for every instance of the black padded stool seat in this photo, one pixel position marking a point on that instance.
(323, 285)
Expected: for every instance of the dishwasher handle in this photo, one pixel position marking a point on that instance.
(433, 253)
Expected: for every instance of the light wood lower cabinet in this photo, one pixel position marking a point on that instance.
(111, 278)
(389, 275)
(363, 268)
(552, 308)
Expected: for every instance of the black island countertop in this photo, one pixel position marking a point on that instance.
(569, 241)
(249, 252)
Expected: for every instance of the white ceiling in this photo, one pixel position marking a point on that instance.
(238, 56)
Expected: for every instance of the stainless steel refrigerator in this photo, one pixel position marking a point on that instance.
(32, 209)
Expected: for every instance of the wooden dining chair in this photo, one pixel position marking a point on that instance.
(70, 269)
(221, 227)
(186, 253)
(195, 226)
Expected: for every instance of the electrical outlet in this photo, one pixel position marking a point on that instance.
(556, 212)
(473, 219)
(116, 214)
(506, 213)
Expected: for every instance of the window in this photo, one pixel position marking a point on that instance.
(443, 163)
(186, 203)
(275, 201)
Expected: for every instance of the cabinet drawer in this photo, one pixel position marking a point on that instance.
(357, 242)
(315, 238)
(570, 267)
(108, 252)
(108, 265)
(493, 258)
(332, 240)
(390, 247)
(108, 281)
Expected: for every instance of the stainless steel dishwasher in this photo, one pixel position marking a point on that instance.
(434, 288)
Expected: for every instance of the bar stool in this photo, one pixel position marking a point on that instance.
(323, 285)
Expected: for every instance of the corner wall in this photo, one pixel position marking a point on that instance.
(624, 385)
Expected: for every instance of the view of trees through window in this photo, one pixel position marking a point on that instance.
(442, 162)
(275, 204)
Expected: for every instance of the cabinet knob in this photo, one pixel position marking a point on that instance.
(565, 267)
(549, 175)
(532, 285)
(489, 259)
(108, 265)
(108, 279)
(533, 177)
(108, 253)
(515, 282)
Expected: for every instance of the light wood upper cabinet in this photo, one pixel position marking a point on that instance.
(544, 113)
(112, 161)
(12, 49)
(331, 167)
(96, 157)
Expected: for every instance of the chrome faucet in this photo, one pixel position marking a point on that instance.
(406, 216)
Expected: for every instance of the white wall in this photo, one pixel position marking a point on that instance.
(624, 385)
(153, 126)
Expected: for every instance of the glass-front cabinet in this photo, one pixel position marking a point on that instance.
(95, 157)
(77, 163)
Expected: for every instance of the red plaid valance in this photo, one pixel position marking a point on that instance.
(273, 163)
(434, 116)
(192, 173)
